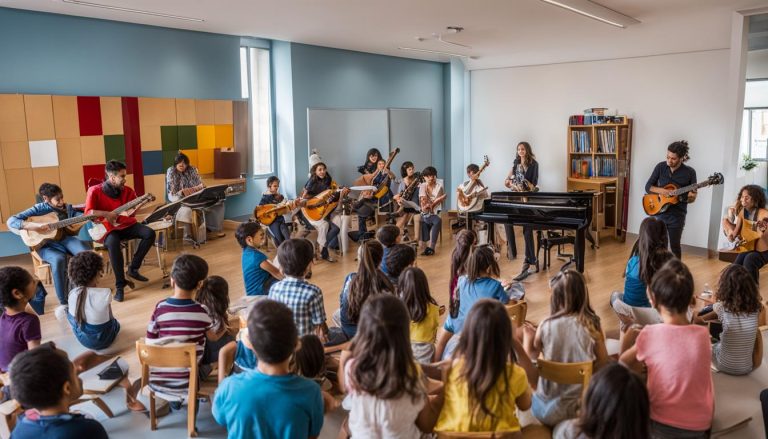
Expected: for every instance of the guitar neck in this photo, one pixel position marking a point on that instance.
(70, 221)
(688, 188)
(130, 205)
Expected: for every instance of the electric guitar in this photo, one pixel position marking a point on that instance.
(383, 186)
(468, 199)
(56, 229)
(654, 204)
(101, 228)
(267, 213)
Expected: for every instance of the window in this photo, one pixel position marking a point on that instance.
(255, 78)
(755, 130)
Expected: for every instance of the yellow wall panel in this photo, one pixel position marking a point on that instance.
(205, 161)
(206, 137)
(65, 117)
(15, 155)
(13, 125)
(222, 112)
(23, 194)
(92, 148)
(111, 115)
(185, 112)
(157, 111)
(155, 185)
(71, 170)
(225, 137)
(192, 154)
(46, 175)
(39, 115)
(205, 112)
(150, 138)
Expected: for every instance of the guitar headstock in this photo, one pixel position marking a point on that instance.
(486, 162)
(394, 152)
(148, 197)
(716, 178)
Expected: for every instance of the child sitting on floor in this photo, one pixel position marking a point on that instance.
(413, 289)
(465, 241)
(19, 326)
(270, 401)
(214, 296)
(401, 256)
(675, 356)
(388, 235)
(258, 273)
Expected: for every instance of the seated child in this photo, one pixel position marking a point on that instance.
(279, 228)
(214, 296)
(45, 383)
(19, 326)
(388, 235)
(270, 401)
(675, 356)
(739, 311)
(413, 290)
(258, 273)
(89, 308)
(401, 256)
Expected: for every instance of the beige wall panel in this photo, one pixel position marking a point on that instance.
(45, 175)
(150, 138)
(39, 115)
(15, 155)
(205, 112)
(92, 148)
(13, 126)
(155, 185)
(157, 111)
(5, 210)
(185, 112)
(71, 170)
(23, 194)
(111, 115)
(222, 112)
(65, 118)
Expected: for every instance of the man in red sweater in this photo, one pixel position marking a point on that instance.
(102, 200)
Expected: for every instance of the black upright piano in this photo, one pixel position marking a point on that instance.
(541, 211)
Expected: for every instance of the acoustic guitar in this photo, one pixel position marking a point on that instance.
(101, 228)
(56, 229)
(267, 213)
(654, 204)
(383, 186)
(322, 204)
(468, 200)
(747, 238)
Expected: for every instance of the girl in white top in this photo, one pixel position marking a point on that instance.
(386, 393)
(431, 197)
(740, 312)
(90, 310)
(571, 334)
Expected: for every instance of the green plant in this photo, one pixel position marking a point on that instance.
(748, 163)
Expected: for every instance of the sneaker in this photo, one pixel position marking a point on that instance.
(326, 256)
(61, 313)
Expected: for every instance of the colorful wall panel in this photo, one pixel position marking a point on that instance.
(68, 139)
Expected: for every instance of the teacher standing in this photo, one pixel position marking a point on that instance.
(523, 177)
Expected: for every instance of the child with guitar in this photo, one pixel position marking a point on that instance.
(321, 181)
(278, 228)
(744, 227)
(431, 197)
(54, 251)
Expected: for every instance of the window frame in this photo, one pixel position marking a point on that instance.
(252, 141)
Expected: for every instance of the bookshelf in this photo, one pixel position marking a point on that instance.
(598, 161)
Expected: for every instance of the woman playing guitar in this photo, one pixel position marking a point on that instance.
(407, 199)
(371, 161)
(749, 210)
(523, 177)
(431, 197)
(320, 181)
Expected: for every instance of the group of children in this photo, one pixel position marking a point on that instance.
(403, 375)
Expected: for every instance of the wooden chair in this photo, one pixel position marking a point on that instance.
(517, 312)
(42, 268)
(173, 355)
(566, 373)
(533, 431)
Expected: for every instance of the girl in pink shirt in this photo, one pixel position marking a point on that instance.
(676, 358)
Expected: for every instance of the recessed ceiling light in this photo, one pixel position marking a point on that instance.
(134, 11)
(595, 12)
(457, 55)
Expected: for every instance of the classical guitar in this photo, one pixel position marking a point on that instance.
(383, 185)
(407, 193)
(102, 227)
(750, 232)
(56, 229)
(654, 204)
(322, 204)
(267, 213)
(468, 200)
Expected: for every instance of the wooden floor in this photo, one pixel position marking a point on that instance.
(603, 271)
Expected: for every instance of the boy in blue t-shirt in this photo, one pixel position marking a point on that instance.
(45, 381)
(270, 401)
(258, 273)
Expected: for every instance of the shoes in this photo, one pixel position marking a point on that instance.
(326, 256)
(368, 235)
(61, 313)
(135, 274)
(527, 270)
(429, 251)
(119, 294)
(353, 236)
(215, 235)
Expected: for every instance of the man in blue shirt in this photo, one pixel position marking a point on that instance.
(53, 252)
(674, 171)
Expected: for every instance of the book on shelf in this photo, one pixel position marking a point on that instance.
(606, 141)
(580, 142)
(581, 167)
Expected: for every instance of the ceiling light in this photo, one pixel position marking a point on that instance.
(135, 11)
(595, 12)
(457, 55)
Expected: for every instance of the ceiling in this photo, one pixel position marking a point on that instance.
(502, 33)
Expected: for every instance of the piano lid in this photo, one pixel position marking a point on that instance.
(549, 209)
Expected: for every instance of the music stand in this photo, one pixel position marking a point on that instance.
(161, 212)
(206, 197)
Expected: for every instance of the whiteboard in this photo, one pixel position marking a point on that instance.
(411, 131)
(342, 138)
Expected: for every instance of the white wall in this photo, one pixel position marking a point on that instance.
(757, 64)
(670, 97)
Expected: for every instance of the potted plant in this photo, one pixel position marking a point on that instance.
(748, 164)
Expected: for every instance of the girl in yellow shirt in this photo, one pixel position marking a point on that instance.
(413, 289)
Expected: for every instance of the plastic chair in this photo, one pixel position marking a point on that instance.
(566, 373)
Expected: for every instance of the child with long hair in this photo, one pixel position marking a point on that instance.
(89, 308)
(648, 254)
(19, 325)
(465, 239)
(615, 406)
(571, 334)
(740, 312)
(675, 357)
(413, 289)
(213, 294)
(479, 282)
(366, 282)
(485, 384)
(386, 390)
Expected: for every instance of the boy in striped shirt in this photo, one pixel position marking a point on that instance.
(179, 319)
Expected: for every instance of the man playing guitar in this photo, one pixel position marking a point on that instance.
(749, 207)
(53, 252)
(101, 200)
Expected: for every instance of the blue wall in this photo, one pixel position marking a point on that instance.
(60, 54)
(335, 78)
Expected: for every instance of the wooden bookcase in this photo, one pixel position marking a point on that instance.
(599, 161)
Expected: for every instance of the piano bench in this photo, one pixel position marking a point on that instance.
(554, 239)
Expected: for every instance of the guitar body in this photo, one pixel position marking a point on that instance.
(35, 240)
(471, 202)
(101, 227)
(267, 213)
(654, 204)
(318, 207)
(382, 190)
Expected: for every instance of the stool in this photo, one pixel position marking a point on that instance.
(554, 239)
(42, 268)
(162, 230)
